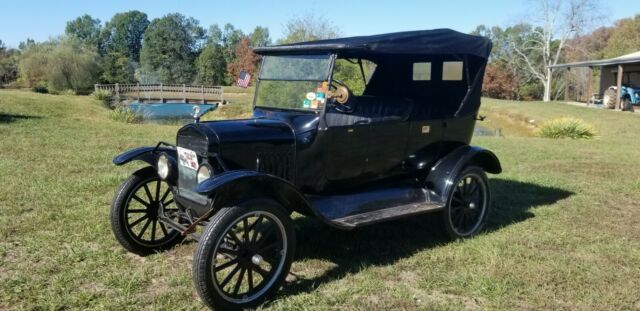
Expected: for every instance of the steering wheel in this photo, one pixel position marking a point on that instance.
(340, 93)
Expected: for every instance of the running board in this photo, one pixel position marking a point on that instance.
(385, 214)
(373, 205)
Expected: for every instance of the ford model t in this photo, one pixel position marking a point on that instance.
(352, 131)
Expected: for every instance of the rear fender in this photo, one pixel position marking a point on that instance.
(442, 176)
(146, 154)
(234, 186)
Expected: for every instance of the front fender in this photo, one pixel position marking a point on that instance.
(441, 177)
(232, 186)
(146, 154)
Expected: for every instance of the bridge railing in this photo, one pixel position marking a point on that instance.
(164, 92)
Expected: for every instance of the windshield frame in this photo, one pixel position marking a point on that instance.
(332, 59)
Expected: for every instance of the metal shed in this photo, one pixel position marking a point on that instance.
(614, 71)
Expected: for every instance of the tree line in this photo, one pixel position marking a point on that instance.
(130, 48)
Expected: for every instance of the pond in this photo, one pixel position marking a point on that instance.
(168, 112)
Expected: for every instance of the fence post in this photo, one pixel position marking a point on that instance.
(161, 94)
(95, 87)
(117, 92)
(138, 89)
(184, 93)
(202, 90)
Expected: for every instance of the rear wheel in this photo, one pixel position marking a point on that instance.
(468, 204)
(244, 254)
(626, 104)
(609, 98)
(135, 210)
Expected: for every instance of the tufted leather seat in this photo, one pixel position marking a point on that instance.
(371, 109)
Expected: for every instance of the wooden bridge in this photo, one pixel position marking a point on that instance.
(153, 93)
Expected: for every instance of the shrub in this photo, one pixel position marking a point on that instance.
(125, 115)
(566, 128)
(40, 89)
(105, 97)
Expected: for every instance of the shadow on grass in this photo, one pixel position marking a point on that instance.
(385, 243)
(10, 118)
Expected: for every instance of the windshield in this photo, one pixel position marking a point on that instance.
(294, 82)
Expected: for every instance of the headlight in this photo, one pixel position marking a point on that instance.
(163, 166)
(204, 172)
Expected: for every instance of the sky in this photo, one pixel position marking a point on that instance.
(41, 20)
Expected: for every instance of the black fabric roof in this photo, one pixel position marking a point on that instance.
(421, 42)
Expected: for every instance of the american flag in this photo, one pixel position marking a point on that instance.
(243, 79)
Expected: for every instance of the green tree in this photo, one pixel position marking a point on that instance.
(61, 64)
(260, 37)
(625, 38)
(211, 65)
(85, 29)
(8, 64)
(117, 68)
(214, 35)
(231, 37)
(307, 28)
(34, 62)
(124, 32)
(170, 47)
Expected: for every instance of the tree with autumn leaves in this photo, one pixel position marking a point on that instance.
(245, 60)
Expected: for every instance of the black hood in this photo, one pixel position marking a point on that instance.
(241, 144)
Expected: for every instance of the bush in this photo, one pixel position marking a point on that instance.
(566, 128)
(40, 89)
(125, 115)
(103, 96)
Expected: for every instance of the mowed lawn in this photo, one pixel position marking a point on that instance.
(564, 232)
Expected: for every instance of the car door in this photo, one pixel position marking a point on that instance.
(347, 151)
(389, 131)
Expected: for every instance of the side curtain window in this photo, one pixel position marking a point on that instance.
(349, 72)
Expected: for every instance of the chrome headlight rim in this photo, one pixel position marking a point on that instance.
(163, 166)
(205, 171)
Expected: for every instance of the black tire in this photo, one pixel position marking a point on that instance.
(136, 197)
(626, 104)
(246, 253)
(468, 204)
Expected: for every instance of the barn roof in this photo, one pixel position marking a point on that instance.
(624, 59)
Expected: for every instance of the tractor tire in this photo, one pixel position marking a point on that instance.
(609, 98)
(626, 104)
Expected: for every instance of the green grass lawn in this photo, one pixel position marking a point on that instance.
(564, 233)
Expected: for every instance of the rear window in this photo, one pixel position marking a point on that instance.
(422, 71)
(452, 71)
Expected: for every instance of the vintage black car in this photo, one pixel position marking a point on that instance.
(392, 143)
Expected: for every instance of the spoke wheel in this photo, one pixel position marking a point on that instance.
(468, 204)
(135, 213)
(244, 255)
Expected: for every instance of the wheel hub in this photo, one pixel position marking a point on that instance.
(256, 259)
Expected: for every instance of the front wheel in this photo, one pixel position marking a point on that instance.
(244, 254)
(468, 204)
(135, 213)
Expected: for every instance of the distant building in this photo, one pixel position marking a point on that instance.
(623, 70)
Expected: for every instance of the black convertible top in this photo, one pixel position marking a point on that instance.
(420, 42)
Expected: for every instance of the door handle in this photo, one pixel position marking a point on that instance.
(361, 122)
